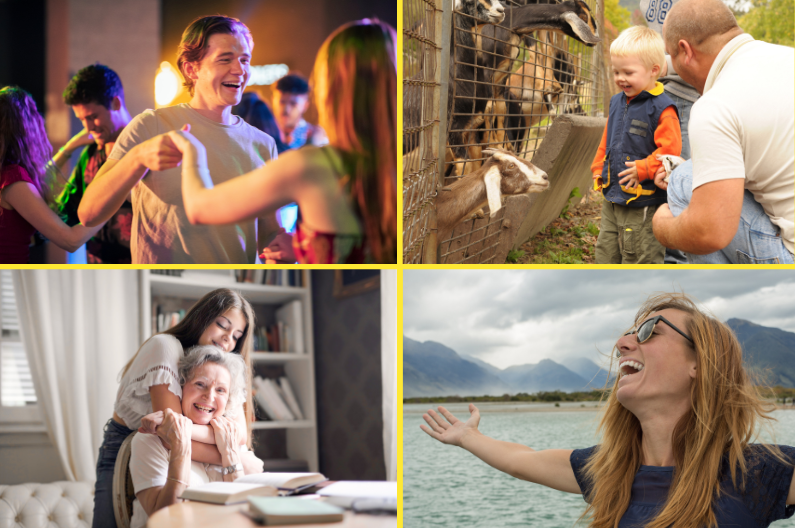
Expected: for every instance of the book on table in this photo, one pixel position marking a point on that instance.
(291, 510)
(259, 484)
(361, 494)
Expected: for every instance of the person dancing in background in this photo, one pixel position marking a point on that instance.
(96, 96)
(25, 194)
(346, 192)
(290, 101)
(256, 113)
(675, 434)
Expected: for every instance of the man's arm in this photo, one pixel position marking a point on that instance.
(708, 224)
(116, 178)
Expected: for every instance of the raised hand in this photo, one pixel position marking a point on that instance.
(226, 433)
(447, 428)
(81, 139)
(150, 422)
(280, 250)
(176, 430)
(184, 141)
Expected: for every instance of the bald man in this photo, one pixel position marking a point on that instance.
(734, 201)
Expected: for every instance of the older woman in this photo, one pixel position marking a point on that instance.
(675, 436)
(212, 383)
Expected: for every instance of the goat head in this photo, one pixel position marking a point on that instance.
(507, 174)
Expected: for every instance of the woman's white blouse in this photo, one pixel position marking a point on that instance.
(149, 469)
(155, 364)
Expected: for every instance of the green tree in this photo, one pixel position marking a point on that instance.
(771, 21)
(618, 16)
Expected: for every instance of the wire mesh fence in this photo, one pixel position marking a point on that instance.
(422, 50)
(507, 82)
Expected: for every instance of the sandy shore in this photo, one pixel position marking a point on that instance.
(497, 407)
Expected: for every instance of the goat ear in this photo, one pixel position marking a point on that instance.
(492, 180)
(580, 28)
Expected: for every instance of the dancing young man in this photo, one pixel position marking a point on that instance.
(214, 58)
(96, 96)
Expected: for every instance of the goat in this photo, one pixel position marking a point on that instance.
(462, 90)
(502, 174)
(483, 58)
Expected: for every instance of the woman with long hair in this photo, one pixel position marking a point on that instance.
(676, 433)
(150, 385)
(25, 194)
(347, 191)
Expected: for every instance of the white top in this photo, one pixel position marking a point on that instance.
(149, 469)
(155, 364)
(743, 127)
(161, 233)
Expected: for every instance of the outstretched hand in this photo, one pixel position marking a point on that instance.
(184, 141)
(280, 250)
(447, 428)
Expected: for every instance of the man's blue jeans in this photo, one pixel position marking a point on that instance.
(757, 240)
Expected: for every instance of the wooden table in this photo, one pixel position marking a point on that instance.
(192, 514)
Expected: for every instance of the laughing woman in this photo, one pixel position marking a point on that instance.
(676, 434)
(213, 391)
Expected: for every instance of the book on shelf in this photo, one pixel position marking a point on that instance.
(289, 510)
(278, 403)
(289, 397)
(290, 315)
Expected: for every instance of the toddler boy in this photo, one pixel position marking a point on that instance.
(642, 123)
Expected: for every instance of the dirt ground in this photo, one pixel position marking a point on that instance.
(569, 239)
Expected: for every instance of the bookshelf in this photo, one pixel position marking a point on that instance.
(179, 293)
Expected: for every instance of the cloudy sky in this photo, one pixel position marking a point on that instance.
(513, 317)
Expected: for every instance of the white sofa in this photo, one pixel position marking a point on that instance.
(62, 504)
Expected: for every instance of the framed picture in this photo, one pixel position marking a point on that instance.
(353, 282)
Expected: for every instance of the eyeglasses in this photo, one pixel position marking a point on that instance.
(645, 330)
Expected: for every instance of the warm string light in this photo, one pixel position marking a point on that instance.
(167, 84)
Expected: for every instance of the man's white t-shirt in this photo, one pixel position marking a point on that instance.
(161, 233)
(743, 126)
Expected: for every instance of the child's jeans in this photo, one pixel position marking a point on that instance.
(757, 240)
(115, 434)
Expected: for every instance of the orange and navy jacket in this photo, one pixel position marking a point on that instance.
(638, 129)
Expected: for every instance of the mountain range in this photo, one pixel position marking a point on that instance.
(432, 369)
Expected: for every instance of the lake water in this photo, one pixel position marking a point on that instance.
(447, 486)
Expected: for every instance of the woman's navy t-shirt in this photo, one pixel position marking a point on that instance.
(766, 489)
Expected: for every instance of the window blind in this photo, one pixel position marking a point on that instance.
(16, 384)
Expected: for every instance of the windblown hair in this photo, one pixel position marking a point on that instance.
(23, 138)
(724, 417)
(641, 42)
(200, 355)
(695, 21)
(200, 316)
(355, 91)
(196, 38)
(96, 84)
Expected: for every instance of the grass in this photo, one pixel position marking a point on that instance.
(570, 238)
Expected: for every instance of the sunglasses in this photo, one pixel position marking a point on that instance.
(645, 330)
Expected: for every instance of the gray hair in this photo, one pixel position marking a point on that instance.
(199, 355)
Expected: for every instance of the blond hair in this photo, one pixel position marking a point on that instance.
(641, 42)
(726, 410)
